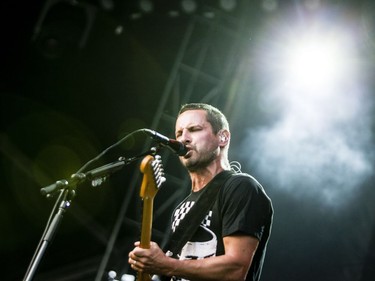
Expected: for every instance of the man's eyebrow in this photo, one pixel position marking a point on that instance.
(190, 127)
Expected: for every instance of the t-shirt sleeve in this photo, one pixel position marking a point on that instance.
(245, 207)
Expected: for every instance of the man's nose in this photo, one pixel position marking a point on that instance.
(185, 137)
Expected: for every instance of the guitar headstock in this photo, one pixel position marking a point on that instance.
(153, 177)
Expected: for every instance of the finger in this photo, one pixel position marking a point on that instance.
(135, 257)
(132, 263)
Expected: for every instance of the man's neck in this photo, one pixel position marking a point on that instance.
(199, 179)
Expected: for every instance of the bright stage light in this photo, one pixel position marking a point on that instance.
(312, 83)
(313, 63)
(316, 61)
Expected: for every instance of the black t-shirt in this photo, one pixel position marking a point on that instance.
(241, 207)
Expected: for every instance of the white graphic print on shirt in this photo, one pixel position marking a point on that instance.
(180, 213)
(204, 243)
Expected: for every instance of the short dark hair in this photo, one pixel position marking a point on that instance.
(215, 117)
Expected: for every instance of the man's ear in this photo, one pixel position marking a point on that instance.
(224, 137)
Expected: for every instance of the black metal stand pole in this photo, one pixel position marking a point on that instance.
(48, 236)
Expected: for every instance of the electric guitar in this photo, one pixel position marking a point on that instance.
(153, 178)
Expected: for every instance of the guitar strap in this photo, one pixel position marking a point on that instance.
(197, 213)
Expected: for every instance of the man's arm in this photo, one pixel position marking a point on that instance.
(233, 265)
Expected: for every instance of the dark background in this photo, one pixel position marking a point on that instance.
(65, 99)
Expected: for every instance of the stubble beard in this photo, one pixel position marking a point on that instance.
(193, 165)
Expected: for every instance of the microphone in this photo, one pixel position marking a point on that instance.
(176, 146)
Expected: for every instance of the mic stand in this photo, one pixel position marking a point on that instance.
(67, 192)
(50, 232)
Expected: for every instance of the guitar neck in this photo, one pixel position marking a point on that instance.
(152, 179)
(148, 204)
(146, 230)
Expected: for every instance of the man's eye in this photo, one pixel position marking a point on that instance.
(194, 129)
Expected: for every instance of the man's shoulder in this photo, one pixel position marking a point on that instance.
(245, 179)
(245, 184)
